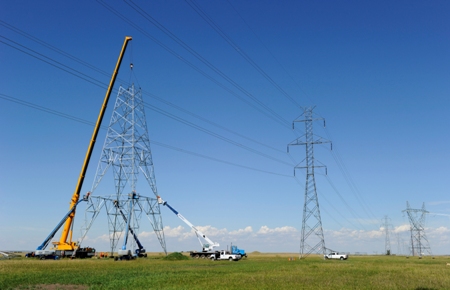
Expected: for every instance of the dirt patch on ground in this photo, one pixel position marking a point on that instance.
(54, 287)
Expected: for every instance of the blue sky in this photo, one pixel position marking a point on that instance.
(378, 72)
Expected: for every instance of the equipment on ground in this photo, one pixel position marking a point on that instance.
(336, 255)
(235, 250)
(124, 253)
(224, 255)
(65, 244)
(42, 253)
(207, 249)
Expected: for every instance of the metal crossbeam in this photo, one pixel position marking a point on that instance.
(312, 239)
(127, 151)
(419, 241)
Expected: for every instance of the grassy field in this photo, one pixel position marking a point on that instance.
(258, 271)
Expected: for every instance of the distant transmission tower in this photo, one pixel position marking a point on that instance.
(312, 239)
(387, 243)
(127, 151)
(419, 241)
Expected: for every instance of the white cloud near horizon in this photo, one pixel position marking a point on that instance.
(287, 239)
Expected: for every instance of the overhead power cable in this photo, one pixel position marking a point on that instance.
(61, 66)
(51, 47)
(47, 110)
(210, 122)
(103, 85)
(90, 123)
(88, 65)
(237, 48)
(191, 65)
(199, 128)
(162, 28)
(332, 206)
(349, 180)
(270, 52)
(350, 209)
(52, 62)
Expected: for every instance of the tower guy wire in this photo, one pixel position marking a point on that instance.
(312, 239)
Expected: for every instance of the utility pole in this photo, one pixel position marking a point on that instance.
(312, 239)
(419, 241)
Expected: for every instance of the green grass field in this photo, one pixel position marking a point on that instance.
(258, 271)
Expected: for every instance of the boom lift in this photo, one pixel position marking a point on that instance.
(64, 243)
(207, 249)
(140, 251)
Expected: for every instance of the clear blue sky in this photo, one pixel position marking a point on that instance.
(377, 71)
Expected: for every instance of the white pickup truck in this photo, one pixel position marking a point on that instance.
(225, 255)
(336, 255)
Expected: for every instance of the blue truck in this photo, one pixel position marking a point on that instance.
(235, 250)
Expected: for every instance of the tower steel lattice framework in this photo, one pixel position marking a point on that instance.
(127, 151)
(387, 240)
(312, 239)
(419, 241)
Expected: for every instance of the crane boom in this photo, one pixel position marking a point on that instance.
(63, 244)
(206, 247)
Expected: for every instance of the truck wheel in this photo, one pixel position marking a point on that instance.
(342, 258)
(230, 259)
(196, 256)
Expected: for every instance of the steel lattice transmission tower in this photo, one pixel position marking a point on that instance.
(387, 241)
(419, 241)
(312, 239)
(127, 151)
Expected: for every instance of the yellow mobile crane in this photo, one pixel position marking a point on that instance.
(66, 246)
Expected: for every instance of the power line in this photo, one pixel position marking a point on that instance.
(350, 209)
(80, 74)
(86, 64)
(53, 48)
(90, 123)
(190, 124)
(359, 198)
(238, 49)
(331, 205)
(52, 62)
(99, 83)
(269, 51)
(162, 28)
(191, 65)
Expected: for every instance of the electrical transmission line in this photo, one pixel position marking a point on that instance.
(419, 241)
(312, 239)
(261, 106)
(238, 49)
